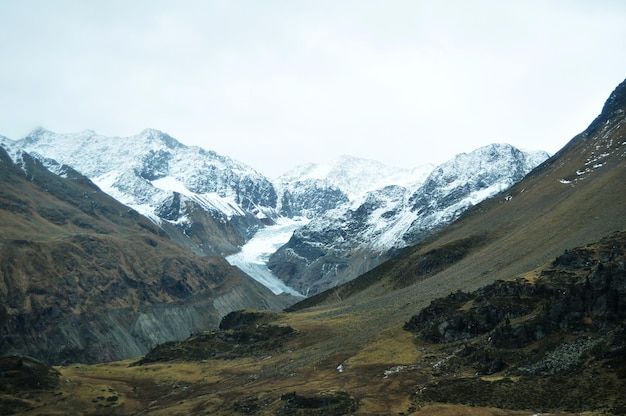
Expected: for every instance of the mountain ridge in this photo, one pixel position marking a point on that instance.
(85, 278)
(214, 205)
(356, 176)
(350, 240)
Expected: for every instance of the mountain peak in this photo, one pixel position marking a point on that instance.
(356, 176)
(39, 130)
(616, 101)
(38, 133)
(615, 104)
(155, 134)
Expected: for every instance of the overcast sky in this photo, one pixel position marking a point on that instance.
(278, 83)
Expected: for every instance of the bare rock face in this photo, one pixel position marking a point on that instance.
(310, 198)
(616, 103)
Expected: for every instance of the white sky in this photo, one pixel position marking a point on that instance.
(278, 83)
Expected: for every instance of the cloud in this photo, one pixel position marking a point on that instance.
(278, 83)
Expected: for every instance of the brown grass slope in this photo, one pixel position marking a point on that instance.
(555, 345)
(575, 198)
(84, 278)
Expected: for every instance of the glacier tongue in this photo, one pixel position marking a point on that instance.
(254, 254)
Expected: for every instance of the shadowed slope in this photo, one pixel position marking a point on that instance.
(85, 278)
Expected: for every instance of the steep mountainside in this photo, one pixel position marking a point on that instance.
(203, 200)
(353, 176)
(574, 198)
(350, 240)
(84, 278)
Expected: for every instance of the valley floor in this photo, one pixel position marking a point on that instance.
(332, 366)
(552, 341)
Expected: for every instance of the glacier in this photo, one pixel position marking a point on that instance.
(252, 258)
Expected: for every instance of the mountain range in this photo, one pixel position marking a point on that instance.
(203, 202)
(342, 243)
(361, 212)
(516, 307)
(350, 215)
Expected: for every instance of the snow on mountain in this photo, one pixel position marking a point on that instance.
(352, 207)
(187, 190)
(310, 190)
(393, 217)
(355, 176)
(152, 155)
(465, 180)
(606, 145)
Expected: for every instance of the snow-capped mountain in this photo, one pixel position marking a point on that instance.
(354, 176)
(356, 211)
(312, 189)
(204, 200)
(355, 237)
(464, 181)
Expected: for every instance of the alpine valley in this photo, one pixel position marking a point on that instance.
(349, 214)
(493, 284)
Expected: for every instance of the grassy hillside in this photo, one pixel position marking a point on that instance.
(84, 278)
(552, 342)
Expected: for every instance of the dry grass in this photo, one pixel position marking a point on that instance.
(381, 377)
(307, 365)
(392, 347)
